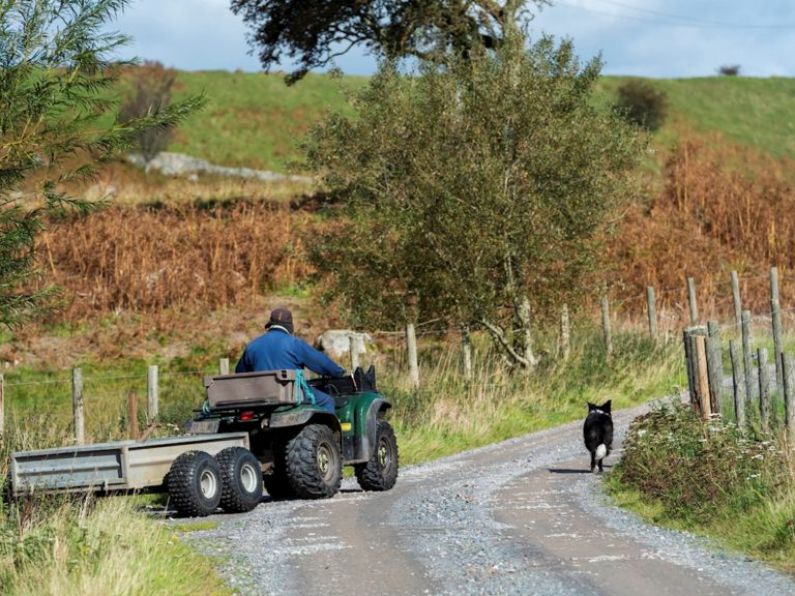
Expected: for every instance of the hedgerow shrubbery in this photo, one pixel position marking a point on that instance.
(711, 478)
(696, 469)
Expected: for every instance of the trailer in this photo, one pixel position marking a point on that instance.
(255, 431)
(106, 467)
(122, 466)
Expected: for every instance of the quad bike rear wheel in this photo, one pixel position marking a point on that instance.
(381, 471)
(277, 484)
(313, 462)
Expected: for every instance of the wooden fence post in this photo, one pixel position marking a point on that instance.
(702, 376)
(152, 392)
(746, 336)
(354, 352)
(715, 366)
(764, 390)
(2, 404)
(775, 317)
(466, 352)
(738, 304)
(697, 369)
(223, 366)
(411, 344)
(690, 364)
(789, 395)
(691, 300)
(565, 332)
(132, 415)
(738, 386)
(606, 325)
(77, 406)
(651, 308)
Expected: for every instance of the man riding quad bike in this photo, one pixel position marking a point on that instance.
(302, 431)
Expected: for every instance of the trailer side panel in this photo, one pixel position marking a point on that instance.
(148, 465)
(123, 465)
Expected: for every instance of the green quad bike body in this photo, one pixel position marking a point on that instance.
(301, 447)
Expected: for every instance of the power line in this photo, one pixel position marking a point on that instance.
(683, 21)
(694, 20)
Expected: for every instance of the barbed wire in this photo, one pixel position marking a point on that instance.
(162, 374)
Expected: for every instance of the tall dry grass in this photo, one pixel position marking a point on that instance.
(148, 259)
(723, 207)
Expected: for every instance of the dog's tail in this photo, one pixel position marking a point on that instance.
(601, 451)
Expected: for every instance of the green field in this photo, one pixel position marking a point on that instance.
(255, 120)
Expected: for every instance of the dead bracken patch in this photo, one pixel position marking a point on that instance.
(146, 259)
(723, 207)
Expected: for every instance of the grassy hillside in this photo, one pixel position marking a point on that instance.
(751, 111)
(256, 120)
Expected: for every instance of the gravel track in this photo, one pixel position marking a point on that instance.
(520, 517)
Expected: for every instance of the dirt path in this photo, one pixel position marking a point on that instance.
(520, 517)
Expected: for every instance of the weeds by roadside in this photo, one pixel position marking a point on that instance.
(75, 546)
(710, 479)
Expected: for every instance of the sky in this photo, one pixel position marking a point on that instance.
(656, 38)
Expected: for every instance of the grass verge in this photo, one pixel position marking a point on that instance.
(76, 546)
(710, 480)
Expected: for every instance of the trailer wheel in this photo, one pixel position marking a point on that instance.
(194, 484)
(314, 465)
(241, 476)
(380, 472)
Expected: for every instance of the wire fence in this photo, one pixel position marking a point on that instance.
(660, 324)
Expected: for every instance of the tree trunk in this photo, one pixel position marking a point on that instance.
(526, 333)
(513, 356)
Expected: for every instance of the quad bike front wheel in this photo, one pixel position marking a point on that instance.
(381, 471)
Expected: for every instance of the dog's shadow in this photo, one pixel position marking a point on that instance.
(572, 470)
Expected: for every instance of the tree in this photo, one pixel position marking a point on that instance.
(475, 193)
(152, 85)
(56, 76)
(729, 70)
(314, 32)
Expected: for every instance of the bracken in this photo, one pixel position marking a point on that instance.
(147, 259)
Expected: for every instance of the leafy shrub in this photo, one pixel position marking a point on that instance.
(640, 103)
(479, 190)
(698, 471)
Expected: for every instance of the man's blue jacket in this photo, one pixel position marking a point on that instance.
(276, 350)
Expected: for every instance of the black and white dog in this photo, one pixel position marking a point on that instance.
(598, 433)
